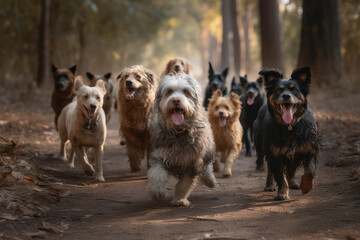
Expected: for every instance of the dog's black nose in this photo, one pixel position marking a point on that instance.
(177, 67)
(60, 85)
(176, 101)
(92, 106)
(128, 82)
(221, 114)
(214, 84)
(286, 96)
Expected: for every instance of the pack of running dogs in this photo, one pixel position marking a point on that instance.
(181, 133)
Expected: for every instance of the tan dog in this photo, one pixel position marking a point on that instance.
(224, 113)
(110, 93)
(64, 90)
(83, 123)
(178, 64)
(135, 97)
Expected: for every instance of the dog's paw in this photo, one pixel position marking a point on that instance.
(306, 184)
(216, 167)
(227, 173)
(295, 186)
(260, 167)
(281, 197)
(270, 189)
(100, 178)
(89, 171)
(180, 202)
(72, 165)
(63, 158)
(159, 196)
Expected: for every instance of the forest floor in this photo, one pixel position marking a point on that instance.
(40, 197)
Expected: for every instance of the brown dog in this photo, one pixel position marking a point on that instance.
(178, 64)
(135, 98)
(224, 113)
(64, 91)
(110, 93)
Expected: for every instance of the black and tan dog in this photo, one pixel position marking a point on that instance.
(64, 91)
(109, 98)
(253, 99)
(286, 132)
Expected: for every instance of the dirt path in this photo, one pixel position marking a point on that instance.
(121, 208)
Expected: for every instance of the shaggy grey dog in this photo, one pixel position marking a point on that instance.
(183, 144)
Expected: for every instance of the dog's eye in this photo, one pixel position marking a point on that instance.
(294, 90)
(182, 63)
(86, 96)
(279, 91)
(97, 97)
(138, 77)
(217, 107)
(186, 92)
(227, 108)
(169, 92)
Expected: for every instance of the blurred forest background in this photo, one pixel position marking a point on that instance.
(246, 35)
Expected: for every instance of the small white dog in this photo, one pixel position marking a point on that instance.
(83, 123)
(182, 139)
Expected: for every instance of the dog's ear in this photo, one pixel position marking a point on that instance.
(225, 72)
(89, 75)
(243, 81)
(303, 77)
(53, 68)
(270, 76)
(168, 66)
(100, 83)
(245, 76)
(107, 76)
(79, 82)
(73, 69)
(233, 81)
(119, 76)
(151, 76)
(235, 100)
(218, 93)
(211, 70)
(260, 81)
(188, 68)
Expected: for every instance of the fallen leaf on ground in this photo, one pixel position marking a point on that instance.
(30, 179)
(8, 216)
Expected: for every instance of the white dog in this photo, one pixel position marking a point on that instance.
(182, 139)
(83, 123)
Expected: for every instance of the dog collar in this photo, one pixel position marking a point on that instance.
(88, 126)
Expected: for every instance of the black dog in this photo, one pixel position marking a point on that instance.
(236, 86)
(253, 99)
(286, 132)
(216, 81)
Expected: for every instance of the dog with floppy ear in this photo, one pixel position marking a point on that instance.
(177, 65)
(224, 113)
(110, 92)
(83, 123)
(135, 97)
(64, 90)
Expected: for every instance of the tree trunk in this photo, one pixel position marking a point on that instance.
(43, 72)
(245, 24)
(320, 41)
(236, 37)
(225, 12)
(271, 52)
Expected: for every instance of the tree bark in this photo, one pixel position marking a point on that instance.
(320, 41)
(270, 29)
(43, 73)
(236, 38)
(245, 23)
(225, 7)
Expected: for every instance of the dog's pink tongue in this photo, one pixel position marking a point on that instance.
(222, 122)
(287, 115)
(177, 118)
(91, 114)
(250, 101)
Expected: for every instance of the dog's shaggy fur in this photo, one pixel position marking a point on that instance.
(224, 113)
(110, 92)
(182, 138)
(83, 123)
(178, 64)
(64, 89)
(135, 98)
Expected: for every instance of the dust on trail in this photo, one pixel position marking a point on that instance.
(72, 206)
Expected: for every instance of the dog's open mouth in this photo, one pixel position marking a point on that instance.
(222, 121)
(91, 112)
(287, 111)
(178, 116)
(130, 92)
(250, 100)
